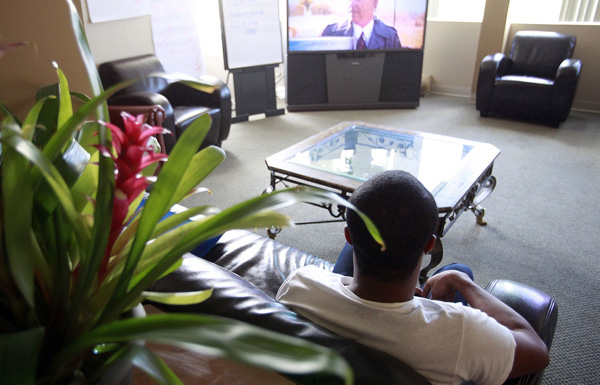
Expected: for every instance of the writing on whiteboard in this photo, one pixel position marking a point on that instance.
(251, 33)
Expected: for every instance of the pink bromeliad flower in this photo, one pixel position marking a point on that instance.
(133, 154)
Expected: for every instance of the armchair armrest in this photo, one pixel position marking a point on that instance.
(146, 98)
(537, 307)
(569, 69)
(563, 92)
(492, 67)
(180, 94)
(155, 116)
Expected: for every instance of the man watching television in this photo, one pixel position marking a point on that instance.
(367, 31)
(381, 306)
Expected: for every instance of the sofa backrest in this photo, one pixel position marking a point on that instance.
(537, 53)
(138, 67)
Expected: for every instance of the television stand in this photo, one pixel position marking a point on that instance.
(349, 80)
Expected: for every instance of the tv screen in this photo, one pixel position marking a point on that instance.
(346, 25)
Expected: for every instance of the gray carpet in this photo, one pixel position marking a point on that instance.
(543, 218)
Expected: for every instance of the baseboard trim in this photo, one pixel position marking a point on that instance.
(586, 106)
(462, 92)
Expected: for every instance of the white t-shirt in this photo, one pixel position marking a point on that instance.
(447, 343)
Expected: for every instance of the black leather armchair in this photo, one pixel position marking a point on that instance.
(535, 82)
(182, 104)
(246, 270)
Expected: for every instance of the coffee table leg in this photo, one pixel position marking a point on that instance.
(436, 258)
(486, 189)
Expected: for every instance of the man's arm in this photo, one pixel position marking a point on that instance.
(531, 354)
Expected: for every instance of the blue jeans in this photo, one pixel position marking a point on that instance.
(345, 266)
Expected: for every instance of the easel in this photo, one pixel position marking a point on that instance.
(252, 49)
(255, 92)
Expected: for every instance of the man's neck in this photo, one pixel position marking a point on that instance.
(371, 289)
(363, 22)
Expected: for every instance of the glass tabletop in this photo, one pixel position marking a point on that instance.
(359, 152)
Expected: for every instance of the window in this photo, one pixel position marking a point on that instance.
(580, 11)
(553, 11)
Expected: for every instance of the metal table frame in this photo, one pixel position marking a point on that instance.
(479, 188)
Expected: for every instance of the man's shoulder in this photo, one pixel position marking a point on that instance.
(337, 29)
(383, 29)
(309, 276)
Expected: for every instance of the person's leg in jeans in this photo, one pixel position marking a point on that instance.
(345, 266)
(458, 297)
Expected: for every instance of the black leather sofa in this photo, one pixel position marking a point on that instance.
(536, 82)
(182, 104)
(246, 270)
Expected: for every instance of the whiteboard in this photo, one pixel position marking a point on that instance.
(251, 33)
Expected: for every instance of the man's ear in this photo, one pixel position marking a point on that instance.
(347, 235)
(429, 245)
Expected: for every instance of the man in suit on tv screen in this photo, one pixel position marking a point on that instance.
(367, 31)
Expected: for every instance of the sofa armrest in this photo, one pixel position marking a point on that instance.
(537, 307)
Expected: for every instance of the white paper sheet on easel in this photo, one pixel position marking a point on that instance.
(109, 10)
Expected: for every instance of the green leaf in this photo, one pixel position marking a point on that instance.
(88, 59)
(55, 180)
(10, 117)
(22, 249)
(19, 354)
(70, 166)
(182, 298)
(31, 119)
(85, 186)
(202, 164)
(156, 368)
(222, 337)
(158, 204)
(93, 252)
(65, 132)
(65, 110)
(246, 214)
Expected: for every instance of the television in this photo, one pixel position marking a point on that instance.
(324, 25)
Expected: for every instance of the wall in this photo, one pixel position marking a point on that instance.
(46, 24)
(450, 62)
(118, 39)
(453, 50)
(113, 40)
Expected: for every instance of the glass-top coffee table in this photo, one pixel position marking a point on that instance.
(458, 172)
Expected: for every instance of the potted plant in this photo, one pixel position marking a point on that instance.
(77, 251)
